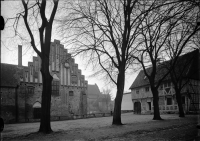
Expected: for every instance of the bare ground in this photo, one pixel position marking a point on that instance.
(137, 127)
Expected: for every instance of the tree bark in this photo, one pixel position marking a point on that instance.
(155, 104)
(45, 125)
(118, 99)
(180, 106)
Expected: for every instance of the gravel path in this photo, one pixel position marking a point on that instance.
(137, 127)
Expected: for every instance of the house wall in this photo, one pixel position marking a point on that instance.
(166, 91)
(193, 91)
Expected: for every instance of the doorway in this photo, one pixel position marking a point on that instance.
(37, 110)
(149, 104)
(137, 107)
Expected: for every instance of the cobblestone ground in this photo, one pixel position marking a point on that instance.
(135, 128)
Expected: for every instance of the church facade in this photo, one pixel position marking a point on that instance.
(21, 87)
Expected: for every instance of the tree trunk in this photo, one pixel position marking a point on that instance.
(45, 125)
(180, 106)
(118, 99)
(155, 104)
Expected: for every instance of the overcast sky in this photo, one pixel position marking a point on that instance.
(9, 51)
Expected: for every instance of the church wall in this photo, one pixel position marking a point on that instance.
(65, 72)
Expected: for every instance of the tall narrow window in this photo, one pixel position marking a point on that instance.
(36, 66)
(26, 76)
(31, 73)
(55, 88)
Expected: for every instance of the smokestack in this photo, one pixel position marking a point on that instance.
(19, 55)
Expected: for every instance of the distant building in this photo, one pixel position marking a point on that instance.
(127, 104)
(106, 105)
(92, 98)
(98, 102)
(142, 97)
(21, 87)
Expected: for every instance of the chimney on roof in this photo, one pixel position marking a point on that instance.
(19, 55)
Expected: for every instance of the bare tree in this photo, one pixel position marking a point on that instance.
(180, 41)
(37, 11)
(180, 76)
(105, 32)
(156, 29)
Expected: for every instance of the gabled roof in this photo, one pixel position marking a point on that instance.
(93, 90)
(140, 80)
(10, 74)
(188, 64)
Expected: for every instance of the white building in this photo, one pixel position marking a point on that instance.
(127, 103)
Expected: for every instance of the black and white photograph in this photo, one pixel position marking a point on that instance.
(100, 70)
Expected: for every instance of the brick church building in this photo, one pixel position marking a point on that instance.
(21, 87)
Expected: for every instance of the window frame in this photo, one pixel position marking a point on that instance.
(137, 91)
(168, 101)
(55, 88)
(146, 89)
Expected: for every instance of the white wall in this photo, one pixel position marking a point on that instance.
(127, 103)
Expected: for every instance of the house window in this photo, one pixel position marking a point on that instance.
(169, 101)
(147, 89)
(71, 93)
(55, 88)
(137, 91)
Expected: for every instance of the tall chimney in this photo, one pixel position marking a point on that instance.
(19, 55)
